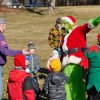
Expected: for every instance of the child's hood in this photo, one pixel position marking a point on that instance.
(17, 75)
(58, 79)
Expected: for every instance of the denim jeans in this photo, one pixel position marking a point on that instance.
(1, 82)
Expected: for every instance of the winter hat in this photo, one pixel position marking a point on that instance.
(69, 19)
(58, 20)
(98, 36)
(31, 46)
(19, 61)
(2, 21)
(55, 65)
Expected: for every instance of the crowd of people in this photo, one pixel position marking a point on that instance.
(73, 67)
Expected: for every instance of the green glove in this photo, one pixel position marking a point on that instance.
(95, 21)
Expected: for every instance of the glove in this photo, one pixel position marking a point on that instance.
(84, 63)
(95, 21)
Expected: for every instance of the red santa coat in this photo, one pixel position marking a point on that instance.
(75, 39)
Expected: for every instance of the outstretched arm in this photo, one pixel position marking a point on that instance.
(90, 25)
(94, 22)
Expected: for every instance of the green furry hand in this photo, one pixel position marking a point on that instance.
(95, 21)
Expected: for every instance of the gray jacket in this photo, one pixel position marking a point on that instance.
(34, 63)
(54, 85)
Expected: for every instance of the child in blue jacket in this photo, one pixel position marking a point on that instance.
(34, 61)
(34, 67)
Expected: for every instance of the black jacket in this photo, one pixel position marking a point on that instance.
(54, 85)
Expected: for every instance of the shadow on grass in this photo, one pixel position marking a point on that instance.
(4, 99)
(37, 11)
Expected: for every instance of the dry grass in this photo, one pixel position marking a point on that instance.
(24, 26)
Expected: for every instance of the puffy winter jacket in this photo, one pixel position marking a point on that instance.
(20, 86)
(54, 85)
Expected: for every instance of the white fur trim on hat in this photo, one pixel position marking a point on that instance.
(68, 20)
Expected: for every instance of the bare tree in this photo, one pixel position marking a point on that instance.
(52, 7)
(22, 2)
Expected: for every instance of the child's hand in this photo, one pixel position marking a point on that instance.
(26, 62)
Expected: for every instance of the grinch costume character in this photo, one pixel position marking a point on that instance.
(74, 46)
(93, 85)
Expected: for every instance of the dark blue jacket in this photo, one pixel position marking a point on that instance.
(5, 51)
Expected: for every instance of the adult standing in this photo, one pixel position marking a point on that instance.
(55, 36)
(74, 47)
(55, 40)
(93, 84)
(52, 7)
(5, 51)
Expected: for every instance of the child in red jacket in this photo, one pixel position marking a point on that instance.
(20, 82)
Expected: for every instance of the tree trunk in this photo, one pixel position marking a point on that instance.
(52, 7)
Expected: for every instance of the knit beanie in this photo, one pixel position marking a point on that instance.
(70, 19)
(31, 46)
(55, 65)
(19, 61)
(58, 21)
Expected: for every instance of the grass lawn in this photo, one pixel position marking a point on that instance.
(24, 26)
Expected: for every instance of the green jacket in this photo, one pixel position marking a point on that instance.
(93, 55)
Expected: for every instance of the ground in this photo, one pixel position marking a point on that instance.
(5, 9)
(24, 26)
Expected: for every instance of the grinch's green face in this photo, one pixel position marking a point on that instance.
(66, 26)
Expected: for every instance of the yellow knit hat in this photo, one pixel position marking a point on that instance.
(55, 65)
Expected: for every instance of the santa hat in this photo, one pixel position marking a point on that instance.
(55, 65)
(69, 19)
(19, 61)
(98, 36)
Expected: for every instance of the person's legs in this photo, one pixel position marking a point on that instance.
(94, 97)
(0, 82)
(93, 94)
(97, 96)
(75, 88)
(90, 97)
